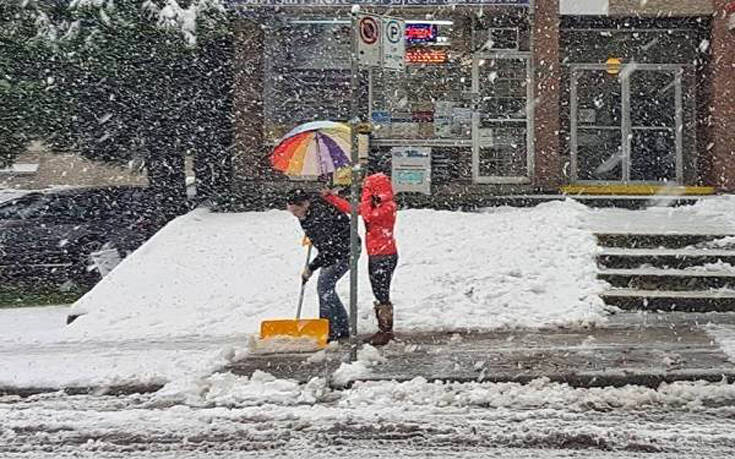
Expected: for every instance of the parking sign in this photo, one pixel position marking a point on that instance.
(394, 44)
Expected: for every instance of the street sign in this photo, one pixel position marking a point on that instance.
(394, 44)
(369, 31)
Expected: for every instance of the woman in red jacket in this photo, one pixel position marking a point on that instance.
(378, 210)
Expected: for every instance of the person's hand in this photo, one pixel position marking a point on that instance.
(326, 192)
(306, 275)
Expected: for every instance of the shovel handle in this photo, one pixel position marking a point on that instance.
(303, 284)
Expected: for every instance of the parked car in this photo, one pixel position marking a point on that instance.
(61, 229)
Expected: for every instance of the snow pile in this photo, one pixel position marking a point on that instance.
(539, 394)
(724, 335)
(281, 345)
(226, 389)
(212, 274)
(367, 358)
(718, 267)
(715, 215)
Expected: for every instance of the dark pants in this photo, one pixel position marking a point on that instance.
(330, 306)
(381, 270)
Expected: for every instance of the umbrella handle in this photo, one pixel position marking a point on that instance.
(303, 284)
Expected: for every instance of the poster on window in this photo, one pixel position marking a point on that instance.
(411, 169)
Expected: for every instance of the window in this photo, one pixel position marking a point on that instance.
(430, 100)
(307, 74)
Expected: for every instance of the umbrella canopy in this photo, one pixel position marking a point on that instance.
(316, 148)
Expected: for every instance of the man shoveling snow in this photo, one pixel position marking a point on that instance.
(329, 231)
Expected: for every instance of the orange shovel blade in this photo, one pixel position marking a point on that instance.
(317, 329)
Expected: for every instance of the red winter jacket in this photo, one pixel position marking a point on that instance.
(378, 210)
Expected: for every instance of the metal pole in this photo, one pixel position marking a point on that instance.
(354, 242)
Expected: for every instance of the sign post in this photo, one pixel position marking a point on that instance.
(376, 41)
(362, 41)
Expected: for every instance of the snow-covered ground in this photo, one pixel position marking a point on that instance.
(189, 300)
(7, 195)
(265, 417)
(713, 215)
(214, 274)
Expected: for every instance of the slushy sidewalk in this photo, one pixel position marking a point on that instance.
(634, 348)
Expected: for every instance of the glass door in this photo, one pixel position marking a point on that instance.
(502, 131)
(597, 128)
(653, 122)
(627, 127)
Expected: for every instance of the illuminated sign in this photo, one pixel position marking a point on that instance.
(421, 33)
(426, 56)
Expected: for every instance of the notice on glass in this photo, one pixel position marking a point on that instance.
(411, 169)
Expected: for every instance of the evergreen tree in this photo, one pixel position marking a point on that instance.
(124, 81)
(29, 83)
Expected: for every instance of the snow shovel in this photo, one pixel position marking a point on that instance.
(317, 329)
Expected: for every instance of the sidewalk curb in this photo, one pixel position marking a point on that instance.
(576, 380)
(580, 380)
(24, 392)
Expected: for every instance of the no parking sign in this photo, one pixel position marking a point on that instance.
(368, 40)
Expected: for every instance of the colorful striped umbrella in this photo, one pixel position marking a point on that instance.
(316, 148)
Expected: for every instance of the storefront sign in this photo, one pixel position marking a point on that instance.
(368, 40)
(411, 169)
(394, 44)
(426, 56)
(421, 33)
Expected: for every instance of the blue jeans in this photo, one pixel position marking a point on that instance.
(330, 306)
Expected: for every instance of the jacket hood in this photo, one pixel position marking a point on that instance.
(379, 185)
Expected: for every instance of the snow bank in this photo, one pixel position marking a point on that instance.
(367, 358)
(710, 215)
(724, 335)
(221, 274)
(382, 396)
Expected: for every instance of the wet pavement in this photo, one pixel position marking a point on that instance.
(585, 423)
(633, 348)
(270, 418)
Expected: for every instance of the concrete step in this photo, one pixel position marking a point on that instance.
(662, 300)
(656, 240)
(667, 279)
(624, 258)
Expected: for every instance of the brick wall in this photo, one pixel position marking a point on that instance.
(248, 98)
(548, 86)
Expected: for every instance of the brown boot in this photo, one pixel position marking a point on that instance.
(384, 314)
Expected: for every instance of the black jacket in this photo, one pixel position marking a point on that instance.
(329, 232)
